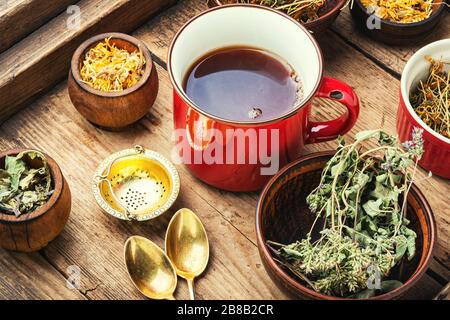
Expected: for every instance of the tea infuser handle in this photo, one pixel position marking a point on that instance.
(99, 180)
(329, 130)
(139, 149)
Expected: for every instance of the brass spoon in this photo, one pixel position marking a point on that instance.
(150, 269)
(187, 246)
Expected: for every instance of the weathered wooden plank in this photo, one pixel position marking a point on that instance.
(439, 271)
(19, 18)
(425, 289)
(393, 58)
(444, 294)
(29, 276)
(42, 59)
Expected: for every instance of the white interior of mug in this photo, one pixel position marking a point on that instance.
(246, 25)
(417, 69)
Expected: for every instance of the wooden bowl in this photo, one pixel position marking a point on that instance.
(327, 15)
(282, 215)
(113, 110)
(33, 231)
(397, 33)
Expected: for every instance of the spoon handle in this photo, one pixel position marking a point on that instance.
(190, 283)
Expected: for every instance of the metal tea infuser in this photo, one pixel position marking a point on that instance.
(136, 184)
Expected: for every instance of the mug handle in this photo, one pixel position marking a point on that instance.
(329, 130)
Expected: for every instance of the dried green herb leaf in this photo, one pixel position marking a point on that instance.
(411, 245)
(387, 140)
(372, 207)
(24, 189)
(365, 135)
(400, 249)
(385, 194)
(44, 170)
(389, 285)
(364, 294)
(15, 168)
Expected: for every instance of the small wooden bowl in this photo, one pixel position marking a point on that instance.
(33, 231)
(113, 110)
(397, 33)
(282, 215)
(327, 15)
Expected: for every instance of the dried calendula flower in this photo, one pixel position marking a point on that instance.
(24, 189)
(401, 11)
(108, 68)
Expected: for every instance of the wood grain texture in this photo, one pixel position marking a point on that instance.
(94, 241)
(19, 18)
(444, 294)
(42, 59)
(30, 276)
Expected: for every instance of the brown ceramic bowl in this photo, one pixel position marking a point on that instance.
(113, 110)
(397, 33)
(33, 231)
(327, 14)
(282, 215)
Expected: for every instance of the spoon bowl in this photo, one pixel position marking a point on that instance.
(150, 269)
(187, 246)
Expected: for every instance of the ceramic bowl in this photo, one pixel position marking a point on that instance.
(282, 215)
(437, 147)
(396, 33)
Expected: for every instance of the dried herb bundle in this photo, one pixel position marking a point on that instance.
(107, 68)
(401, 11)
(301, 10)
(24, 189)
(361, 200)
(431, 100)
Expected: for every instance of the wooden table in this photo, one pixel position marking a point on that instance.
(93, 241)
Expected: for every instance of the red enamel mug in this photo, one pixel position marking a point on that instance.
(243, 155)
(436, 146)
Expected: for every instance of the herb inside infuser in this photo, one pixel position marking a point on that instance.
(360, 207)
(108, 68)
(431, 99)
(23, 188)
